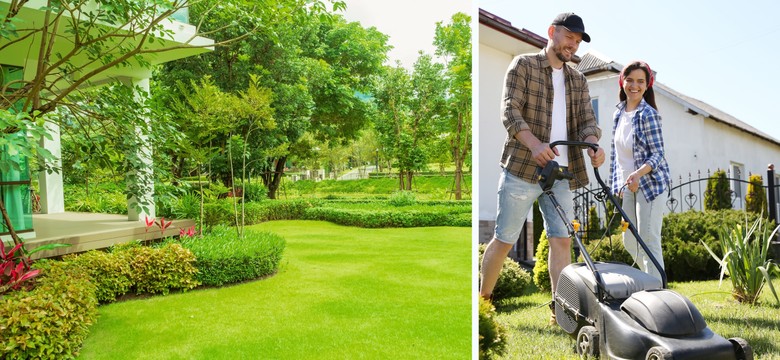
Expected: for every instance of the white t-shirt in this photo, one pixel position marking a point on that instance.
(558, 131)
(624, 146)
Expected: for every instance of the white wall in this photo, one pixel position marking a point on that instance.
(493, 64)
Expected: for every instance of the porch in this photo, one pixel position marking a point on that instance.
(88, 231)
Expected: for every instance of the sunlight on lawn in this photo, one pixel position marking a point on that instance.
(341, 292)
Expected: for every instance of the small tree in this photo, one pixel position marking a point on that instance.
(718, 195)
(594, 229)
(755, 200)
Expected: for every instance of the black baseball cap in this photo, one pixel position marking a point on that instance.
(573, 23)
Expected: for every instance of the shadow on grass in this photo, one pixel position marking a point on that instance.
(760, 343)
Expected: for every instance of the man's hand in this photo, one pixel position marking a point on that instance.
(597, 157)
(542, 153)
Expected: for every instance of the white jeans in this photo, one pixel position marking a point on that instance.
(648, 224)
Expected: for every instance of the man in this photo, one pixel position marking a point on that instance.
(544, 100)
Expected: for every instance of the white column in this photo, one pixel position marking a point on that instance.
(145, 153)
(50, 184)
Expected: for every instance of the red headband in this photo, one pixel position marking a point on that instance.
(642, 64)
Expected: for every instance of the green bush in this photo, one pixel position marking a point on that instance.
(160, 270)
(52, 320)
(541, 269)
(402, 198)
(386, 218)
(685, 258)
(755, 200)
(717, 196)
(109, 272)
(512, 279)
(255, 191)
(225, 258)
(609, 249)
(492, 336)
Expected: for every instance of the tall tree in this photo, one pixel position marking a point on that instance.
(411, 107)
(453, 43)
(317, 66)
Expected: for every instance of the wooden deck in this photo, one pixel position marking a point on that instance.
(88, 231)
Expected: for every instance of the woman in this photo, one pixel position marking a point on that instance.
(640, 173)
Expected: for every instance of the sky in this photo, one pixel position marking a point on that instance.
(411, 24)
(703, 49)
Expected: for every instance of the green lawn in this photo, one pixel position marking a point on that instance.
(530, 337)
(340, 293)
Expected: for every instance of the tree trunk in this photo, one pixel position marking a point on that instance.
(8, 225)
(273, 179)
(409, 175)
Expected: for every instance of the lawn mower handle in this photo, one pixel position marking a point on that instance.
(614, 201)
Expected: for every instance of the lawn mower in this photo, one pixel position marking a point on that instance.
(616, 311)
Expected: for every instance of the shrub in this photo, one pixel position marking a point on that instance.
(609, 249)
(746, 250)
(755, 200)
(160, 270)
(492, 336)
(541, 269)
(402, 198)
(593, 230)
(512, 279)
(224, 258)
(109, 272)
(685, 258)
(255, 191)
(51, 321)
(717, 196)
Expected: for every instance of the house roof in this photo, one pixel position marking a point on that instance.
(593, 63)
(505, 27)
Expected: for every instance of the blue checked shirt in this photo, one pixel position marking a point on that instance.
(648, 149)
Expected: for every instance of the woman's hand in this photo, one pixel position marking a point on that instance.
(633, 181)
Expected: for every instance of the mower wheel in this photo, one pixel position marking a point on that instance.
(742, 349)
(588, 342)
(658, 353)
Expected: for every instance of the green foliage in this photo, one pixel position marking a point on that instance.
(755, 200)
(685, 258)
(512, 280)
(255, 191)
(160, 270)
(745, 259)
(387, 218)
(402, 198)
(541, 269)
(492, 335)
(717, 196)
(110, 272)
(609, 249)
(594, 229)
(223, 257)
(51, 321)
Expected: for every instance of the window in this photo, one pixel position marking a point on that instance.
(736, 185)
(595, 104)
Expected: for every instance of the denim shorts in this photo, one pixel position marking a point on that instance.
(516, 198)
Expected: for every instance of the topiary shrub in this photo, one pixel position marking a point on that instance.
(593, 230)
(109, 272)
(541, 269)
(492, 336)
(717, 196)
(225, 258)
(755, 200)
(52, 320)
(512, 280)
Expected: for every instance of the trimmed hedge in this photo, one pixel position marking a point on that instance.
(52, 320)
(685, 258)
(109, 272)
(223, 257)
(386, 218)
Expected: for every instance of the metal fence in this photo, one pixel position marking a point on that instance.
(687, 195)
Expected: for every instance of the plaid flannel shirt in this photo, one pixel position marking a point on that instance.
(648, 149)
(527, 105)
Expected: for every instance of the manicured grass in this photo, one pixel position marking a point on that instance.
(530, 337)
(424, 187)
(340, 293)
